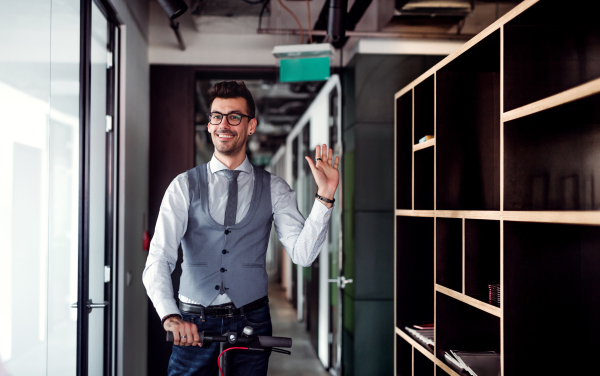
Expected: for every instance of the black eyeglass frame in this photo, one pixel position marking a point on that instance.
(210, 116)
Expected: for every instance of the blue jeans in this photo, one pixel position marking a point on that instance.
(188, 361)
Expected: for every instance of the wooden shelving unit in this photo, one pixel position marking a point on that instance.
(507, 192)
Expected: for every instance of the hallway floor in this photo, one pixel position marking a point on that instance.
(303, 361)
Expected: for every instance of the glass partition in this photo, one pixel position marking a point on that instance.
(39, 112)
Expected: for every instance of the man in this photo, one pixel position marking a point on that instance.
(221, 213)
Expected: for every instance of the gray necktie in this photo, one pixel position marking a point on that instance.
(232, 197)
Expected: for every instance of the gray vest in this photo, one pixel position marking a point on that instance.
(232, 255)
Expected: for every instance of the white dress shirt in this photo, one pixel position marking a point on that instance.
(302, 240)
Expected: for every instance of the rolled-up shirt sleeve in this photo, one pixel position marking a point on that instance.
(162, 257)
(302, 239)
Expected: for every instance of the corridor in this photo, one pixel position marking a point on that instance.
(303, 361)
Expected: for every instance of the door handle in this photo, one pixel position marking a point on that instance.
(341, 281)
(91, 305)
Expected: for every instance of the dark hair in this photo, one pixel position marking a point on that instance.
(233, 89)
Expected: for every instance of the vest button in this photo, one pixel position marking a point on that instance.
(217, 287)
(227, 232)
(224, 251)
(223, 270)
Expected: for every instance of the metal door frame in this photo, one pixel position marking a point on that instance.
(111, 225)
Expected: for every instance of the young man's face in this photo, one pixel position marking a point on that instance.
(230, 139)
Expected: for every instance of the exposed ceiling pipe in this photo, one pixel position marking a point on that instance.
(373, 34)
(175, 27)
(336, 21)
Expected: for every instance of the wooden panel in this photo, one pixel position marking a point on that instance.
(414, 271)
(548, 49)
(404, 152)
(468, 130)
(462, 327)
(423, 183)
(171, 130)
(475, 303)
(423, 366)
(424, 109)
(448, 253)
(403, 357)
(482, 257)
(424, 145)
(550, 294)
(551, 158)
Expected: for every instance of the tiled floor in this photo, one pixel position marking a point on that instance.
(303, 361)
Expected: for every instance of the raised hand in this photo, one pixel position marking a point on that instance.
(325, 172)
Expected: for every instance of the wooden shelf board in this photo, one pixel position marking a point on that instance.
(496, 311)
(574, 217)
(473, 41)
(566, 217)
(415, 344)
(578, 92)
(414, 213)
(440, 363)
(469, 214)
(424, 145)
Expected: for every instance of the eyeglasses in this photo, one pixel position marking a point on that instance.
(233, 118)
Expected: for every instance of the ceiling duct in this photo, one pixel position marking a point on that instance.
(435, 8)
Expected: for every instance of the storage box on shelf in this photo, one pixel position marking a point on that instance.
(504, 201)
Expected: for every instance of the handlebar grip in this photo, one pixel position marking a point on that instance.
(275, 341)
(170, 337)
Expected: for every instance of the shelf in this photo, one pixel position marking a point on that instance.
(424, 145)
(415, 213)
(449, 253)
(468, 129)
(424, 109)
(551, 158)
(576, 93)
(461, 326)
(422, 365)
(414, 271)
(415, 344)
(404, 153)
(443, 366)
(423, 179)
(404, 357)
(475, 303)
(549, 49)
(551, 295)
(482, 258)
(574, 217)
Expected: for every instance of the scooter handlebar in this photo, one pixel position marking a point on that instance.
(265, 341)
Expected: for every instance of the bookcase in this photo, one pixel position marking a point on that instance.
(506, 193)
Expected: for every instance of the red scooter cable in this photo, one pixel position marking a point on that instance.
(231, 348)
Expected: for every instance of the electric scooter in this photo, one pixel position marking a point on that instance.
(247, 341)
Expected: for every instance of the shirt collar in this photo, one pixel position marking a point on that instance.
(216, 165)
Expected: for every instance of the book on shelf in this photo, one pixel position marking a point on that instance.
(474, 363)
(494, 294)
(422, 336)
(425, 138)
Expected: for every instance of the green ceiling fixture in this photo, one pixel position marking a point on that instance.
(304, 62)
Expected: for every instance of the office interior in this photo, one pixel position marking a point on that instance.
(467, 219)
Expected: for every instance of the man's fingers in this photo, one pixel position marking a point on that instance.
(189, 335)
(330, 156)
(310, 164)
(324, 152)
(317, 153)
(175, 336)
(195, 334)
(337, 162)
